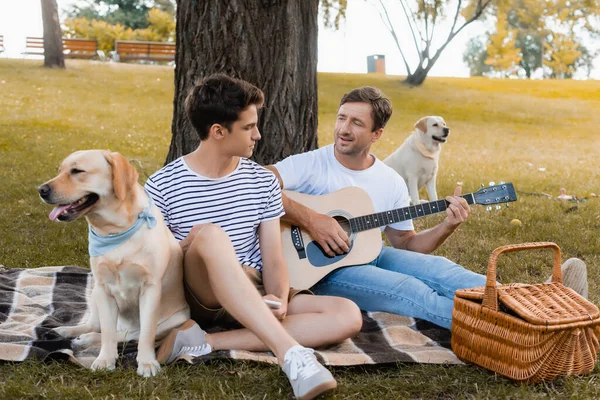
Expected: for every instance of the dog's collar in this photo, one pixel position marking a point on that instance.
(99, 245)
(425, 152)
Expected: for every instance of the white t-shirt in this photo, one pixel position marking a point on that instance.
(318, 172)
(237, 203)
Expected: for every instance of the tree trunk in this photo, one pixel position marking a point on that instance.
(527, 69)
(269, 43)
(53, 46)
(418, 77)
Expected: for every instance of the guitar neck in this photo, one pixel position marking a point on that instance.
(377, 220)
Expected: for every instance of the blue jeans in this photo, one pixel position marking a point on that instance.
(402, 282)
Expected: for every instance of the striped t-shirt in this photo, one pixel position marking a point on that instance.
(237, 203)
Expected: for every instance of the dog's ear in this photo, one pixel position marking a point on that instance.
(124, 175)
(422, 124)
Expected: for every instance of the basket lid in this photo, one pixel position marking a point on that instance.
(540, 304)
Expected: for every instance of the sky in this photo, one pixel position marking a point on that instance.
(345, 50)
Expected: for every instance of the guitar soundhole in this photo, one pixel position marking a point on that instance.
(344, 223)
(317, 257)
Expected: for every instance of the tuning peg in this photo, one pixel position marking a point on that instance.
(506, 205)
(482, 185)
(492, 183)
(498, 207)
(488, 208)
(501, 182)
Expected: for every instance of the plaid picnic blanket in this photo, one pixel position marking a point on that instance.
(33, 301)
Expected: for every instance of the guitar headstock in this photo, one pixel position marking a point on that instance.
(495, 194)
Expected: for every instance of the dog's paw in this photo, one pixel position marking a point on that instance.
(64, 331)
(148, 368)
(87, 340)
(107, 363)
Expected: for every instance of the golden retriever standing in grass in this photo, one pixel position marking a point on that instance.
(418, 157)
(135, 260)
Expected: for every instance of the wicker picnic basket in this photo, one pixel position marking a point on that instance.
(525, 332)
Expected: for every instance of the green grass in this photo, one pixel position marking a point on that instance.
(501, 130)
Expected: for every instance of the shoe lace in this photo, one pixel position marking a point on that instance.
(302, 363)
(194, 349)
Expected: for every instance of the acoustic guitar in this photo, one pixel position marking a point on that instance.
(353, 209)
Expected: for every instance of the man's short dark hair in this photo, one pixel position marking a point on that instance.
(219, 99)
(381, 106)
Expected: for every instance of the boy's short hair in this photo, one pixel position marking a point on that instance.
(381, 106)
(218, 99)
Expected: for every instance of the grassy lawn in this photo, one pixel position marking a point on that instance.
(540, 135)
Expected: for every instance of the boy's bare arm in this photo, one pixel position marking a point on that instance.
(274, 274)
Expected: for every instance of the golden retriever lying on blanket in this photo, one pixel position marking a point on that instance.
(135, 260)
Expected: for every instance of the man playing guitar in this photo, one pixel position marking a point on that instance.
(404, 278)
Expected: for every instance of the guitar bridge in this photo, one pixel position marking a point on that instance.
(298, 241)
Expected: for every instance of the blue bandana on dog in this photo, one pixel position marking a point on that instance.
(99, 245)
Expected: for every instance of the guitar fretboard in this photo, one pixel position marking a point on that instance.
(366, 222)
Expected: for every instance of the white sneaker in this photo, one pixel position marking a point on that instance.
(188, 339)
(574, 275)
(307, 376)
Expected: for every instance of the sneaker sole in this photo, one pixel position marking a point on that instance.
(166, 348)
(318, 390)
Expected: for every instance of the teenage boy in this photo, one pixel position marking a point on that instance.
(225, 209)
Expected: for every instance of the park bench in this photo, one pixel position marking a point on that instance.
(1, 44)
(80, 48)
(127, 50)
(34, 46)
(72, 48)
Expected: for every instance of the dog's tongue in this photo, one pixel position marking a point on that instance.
(57, 210)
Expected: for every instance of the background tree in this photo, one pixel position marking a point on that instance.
(333, 12)
(272, 44)
(585, 62)
(422, 17)
(161, 28)
(128, 13)
(527, 16)
(541, 27)
(531, 48)
(502, 54)
(53, 46)
(475, 56)
(560, 55)
(167, 6)
(104, 33)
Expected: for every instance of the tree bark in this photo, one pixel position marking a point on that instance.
(269, 43)
(53, 46)
(418, 76)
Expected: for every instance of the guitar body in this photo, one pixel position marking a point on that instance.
(310, 265)
(353, 209)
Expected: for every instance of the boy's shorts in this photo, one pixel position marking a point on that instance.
(207, 317)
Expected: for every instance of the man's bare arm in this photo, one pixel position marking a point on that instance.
(428, 241)
(423, 242)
